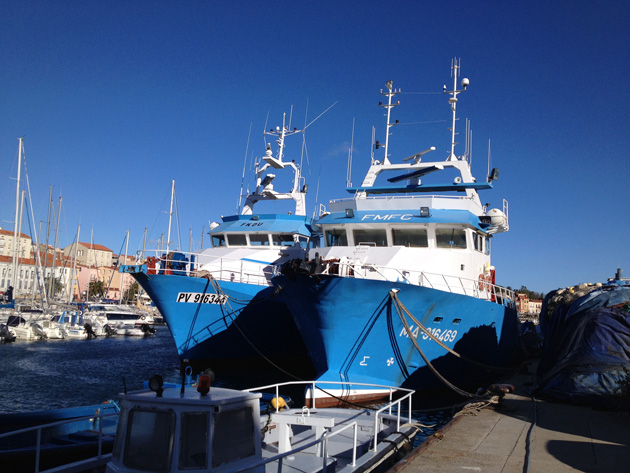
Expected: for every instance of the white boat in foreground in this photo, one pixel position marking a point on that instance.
(213, 429)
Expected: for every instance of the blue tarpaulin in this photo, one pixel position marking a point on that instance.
(586, 351)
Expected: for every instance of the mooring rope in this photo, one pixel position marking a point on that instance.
(394, 295)
(234, 317)
(399, 309)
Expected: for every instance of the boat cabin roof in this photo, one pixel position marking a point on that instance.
(275, 223)
(407, 217)
(191, 398)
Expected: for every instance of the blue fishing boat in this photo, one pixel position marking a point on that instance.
(403, 292)
(220, 304)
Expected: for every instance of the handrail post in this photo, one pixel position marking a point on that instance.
(38, 449)
(375, 431)
(354, 449)
(100, 435)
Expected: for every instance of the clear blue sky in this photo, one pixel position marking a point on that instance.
(115, 99)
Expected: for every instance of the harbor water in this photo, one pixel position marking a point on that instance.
(52, 374)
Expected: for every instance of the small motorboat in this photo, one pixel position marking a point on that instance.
(215, 429)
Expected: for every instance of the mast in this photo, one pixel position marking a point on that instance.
(19, 232)
(144, 243)
(54, 259)
(122, 277)
(47, 230)
(455, 67)
(74, 266)
(170, 215)
(91, 255)
(15, 228)
(391, 92)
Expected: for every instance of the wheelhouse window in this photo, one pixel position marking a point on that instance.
(237, 239)
(336, 237)
(280, 239)
(234, 435)
(450, 238)
(218, 240)
(371, 237)
(410, 237)
(193, 441)
(478, 240)
(149, 445)
(258, 239)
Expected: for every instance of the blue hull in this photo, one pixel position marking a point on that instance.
(355, 333)
(254, 326)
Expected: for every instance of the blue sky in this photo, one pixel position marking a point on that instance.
(116, 99)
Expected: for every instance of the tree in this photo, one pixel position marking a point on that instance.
(132, 292)
(97, 289)
(54, 286)
(530, 294)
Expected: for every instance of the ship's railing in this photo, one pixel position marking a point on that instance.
(403, 197)
(481, 288)
(223, 269)
(392, 405)
(82, 465)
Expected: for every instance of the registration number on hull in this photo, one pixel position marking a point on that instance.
(201, 298)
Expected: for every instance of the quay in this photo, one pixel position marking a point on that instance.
(525, 434)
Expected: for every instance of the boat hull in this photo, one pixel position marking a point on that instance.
(252, 327)
(356, 334)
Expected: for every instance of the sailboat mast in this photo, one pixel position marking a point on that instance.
(122, 277)
(74, 266)
(170, 215)
(48, 230)
(90, 256)
(15, 228)
(54, 259)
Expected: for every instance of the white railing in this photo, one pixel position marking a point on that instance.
(222, 269)
(391, 404)
(455, 284)
(38, 445)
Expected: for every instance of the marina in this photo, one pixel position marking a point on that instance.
(375, 259)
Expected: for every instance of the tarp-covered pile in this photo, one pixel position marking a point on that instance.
(586, 350)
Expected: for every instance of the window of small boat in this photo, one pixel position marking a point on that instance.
(236, 239)
(410, 237)
(194, 440)
(218, 240)
(450, 238)
(370, 236)
(233, 435)
(259, 239)
(336, 237)
(149, 440)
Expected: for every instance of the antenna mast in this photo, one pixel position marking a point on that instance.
(455, 67)
(349, 170)
(391, 92)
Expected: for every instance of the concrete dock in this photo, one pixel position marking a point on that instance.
(521, 434)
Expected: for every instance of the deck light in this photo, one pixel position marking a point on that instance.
(349, 213)
(155, 384)
(424, 212)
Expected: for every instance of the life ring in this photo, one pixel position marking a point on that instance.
(482, 283)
